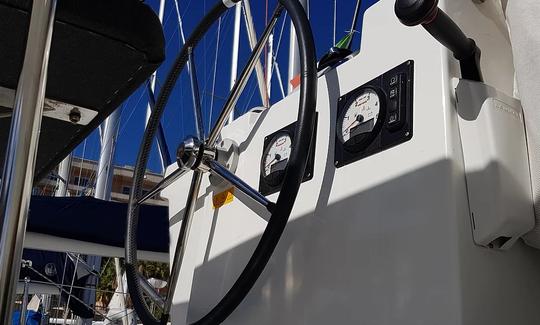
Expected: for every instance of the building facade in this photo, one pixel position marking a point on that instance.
(82, 182)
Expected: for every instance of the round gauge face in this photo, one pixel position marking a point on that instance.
(276, 155)
(360, 116)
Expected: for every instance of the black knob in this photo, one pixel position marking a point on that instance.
(444, 30)
(416, 12)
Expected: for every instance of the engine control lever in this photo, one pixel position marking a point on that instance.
(445, 30)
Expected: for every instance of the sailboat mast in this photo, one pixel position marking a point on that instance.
(103, 189)
(108, 148)
(63, 172)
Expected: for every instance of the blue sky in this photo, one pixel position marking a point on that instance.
(178, 117)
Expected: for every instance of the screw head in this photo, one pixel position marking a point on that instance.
(75, 116)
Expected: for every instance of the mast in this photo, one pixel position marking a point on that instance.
(294, 58)
(108, 148)
(105, 173)
(64, 170)
(235, 46)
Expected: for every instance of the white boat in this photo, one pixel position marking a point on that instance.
(396, 184)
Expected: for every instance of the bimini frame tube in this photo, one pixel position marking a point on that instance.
(18, 174)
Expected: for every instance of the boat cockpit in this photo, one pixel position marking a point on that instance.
(396, 183)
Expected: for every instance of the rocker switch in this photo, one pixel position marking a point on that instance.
(396, 102)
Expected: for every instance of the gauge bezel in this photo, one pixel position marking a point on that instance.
(275, 178)
(361, 141)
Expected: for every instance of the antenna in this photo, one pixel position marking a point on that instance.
(354, 23)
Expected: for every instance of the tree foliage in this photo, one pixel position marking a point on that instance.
(107, 281)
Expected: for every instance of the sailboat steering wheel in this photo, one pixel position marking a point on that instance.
(199, 154)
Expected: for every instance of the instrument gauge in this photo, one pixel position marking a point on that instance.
(275, 158)
(276, 153)
(358, 122)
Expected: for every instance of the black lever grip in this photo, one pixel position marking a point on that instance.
(444, 30)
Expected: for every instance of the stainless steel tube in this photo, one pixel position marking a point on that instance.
(21, 151)
(239, 184)
(239, 86)
(195, 95)
(151, 292)
(183, 237)
(168, 180)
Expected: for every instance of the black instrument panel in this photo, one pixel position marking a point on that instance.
(375, 116)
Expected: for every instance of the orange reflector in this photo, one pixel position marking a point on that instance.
(223, 198)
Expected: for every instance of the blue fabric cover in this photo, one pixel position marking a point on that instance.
(32, 318)
(97, 221)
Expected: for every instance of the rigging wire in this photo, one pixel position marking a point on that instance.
(253, 87)
(59, 287)
(81, 287)
(275, 55)
(180, 45)
(335, 21)
(66, 311)
(355, 22)
(266, 49)
(203, 101)
(214, 76)
(63, 279)
(225, 30)
(180, 24)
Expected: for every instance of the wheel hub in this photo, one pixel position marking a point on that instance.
(192, 152)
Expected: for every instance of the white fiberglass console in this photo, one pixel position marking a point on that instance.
(382, 230)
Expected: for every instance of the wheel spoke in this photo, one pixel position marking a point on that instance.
(240, 84)
(183, 237)
(195, 95)
(242, 186)
(151, 292)
(163, 184)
